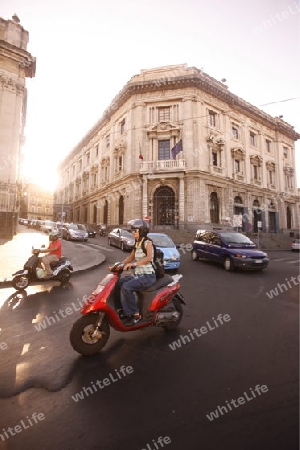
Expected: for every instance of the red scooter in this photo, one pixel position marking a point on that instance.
(159, 305)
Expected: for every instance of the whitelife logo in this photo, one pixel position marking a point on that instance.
(161, 441)
(184, 339)
(274, 292)
(61, 314)
(24, 424)
(236, 403)
(118, 375)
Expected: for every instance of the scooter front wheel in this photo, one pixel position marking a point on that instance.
(20, 282)
(84, 337)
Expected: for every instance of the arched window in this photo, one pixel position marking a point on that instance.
(105, 212)
(121, 210)
(214, 208)
(288, 218)
(95, 214)
(238, 200)
(238, 211)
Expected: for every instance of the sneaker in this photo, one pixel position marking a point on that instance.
(134, 319)
(122, 315)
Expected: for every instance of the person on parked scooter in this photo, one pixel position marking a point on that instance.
(54, 253)
(144, 274)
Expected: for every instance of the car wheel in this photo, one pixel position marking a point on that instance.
(122, 246)
(194, 255)
(109, 242)
(68, 237)
(228, 264)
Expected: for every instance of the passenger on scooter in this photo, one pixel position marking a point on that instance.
(144, 274)
(55, 253)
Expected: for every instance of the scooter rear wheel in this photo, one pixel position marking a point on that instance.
(81, 335)
(64, 276)
(20, 282)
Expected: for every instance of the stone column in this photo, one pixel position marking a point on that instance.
(145, 197)
(181, 202)
(188, 129)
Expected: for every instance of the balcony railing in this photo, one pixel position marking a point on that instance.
(163, 165)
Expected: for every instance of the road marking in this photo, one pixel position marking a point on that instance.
(280, 259)
(102, 247)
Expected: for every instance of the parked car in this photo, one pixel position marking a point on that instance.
(121, 238)
(295, 245)
(34, 223)
(92, 233)
(231, 249)
(169, 249)
(47, 226)
(74, 232)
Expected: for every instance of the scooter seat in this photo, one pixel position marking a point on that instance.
(160, 282)
(57, 263)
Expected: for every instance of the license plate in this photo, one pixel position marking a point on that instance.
(258, 261)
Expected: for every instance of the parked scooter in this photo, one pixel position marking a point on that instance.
(159, 305)
(33, 271)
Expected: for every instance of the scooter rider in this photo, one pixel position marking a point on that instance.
(144, 274)
(54, 253)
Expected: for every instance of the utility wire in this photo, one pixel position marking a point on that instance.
(280, 101)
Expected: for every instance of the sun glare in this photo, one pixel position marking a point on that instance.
(40, 172)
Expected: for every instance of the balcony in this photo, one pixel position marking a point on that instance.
(163, 165)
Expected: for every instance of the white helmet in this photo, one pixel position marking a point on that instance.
(53, 236)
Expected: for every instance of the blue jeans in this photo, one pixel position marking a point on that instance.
(131, 284)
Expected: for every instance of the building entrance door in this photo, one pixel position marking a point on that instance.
(164, 206)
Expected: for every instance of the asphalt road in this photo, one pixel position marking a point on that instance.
(167, 393)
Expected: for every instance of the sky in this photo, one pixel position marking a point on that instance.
(88, 50)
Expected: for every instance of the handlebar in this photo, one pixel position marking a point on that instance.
(117, 267)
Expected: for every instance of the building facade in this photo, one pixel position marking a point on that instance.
(15, 65)
(36, 203)
(178, 148)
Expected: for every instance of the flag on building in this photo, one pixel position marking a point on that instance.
(177, 149)
(140, 155)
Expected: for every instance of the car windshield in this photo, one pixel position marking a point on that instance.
(73, 226)
(235, 238)
(162, 241)
(126, 233)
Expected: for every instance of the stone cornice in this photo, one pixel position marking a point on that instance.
(194, 79)
(20, 56)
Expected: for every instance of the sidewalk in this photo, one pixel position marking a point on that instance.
(14, 253)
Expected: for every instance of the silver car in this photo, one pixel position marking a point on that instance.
(121, 238)
(74, 232)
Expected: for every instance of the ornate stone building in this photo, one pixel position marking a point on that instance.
(15, 65)
(36, 203)
(176, 146)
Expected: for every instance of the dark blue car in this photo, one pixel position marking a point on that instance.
(231, 249)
